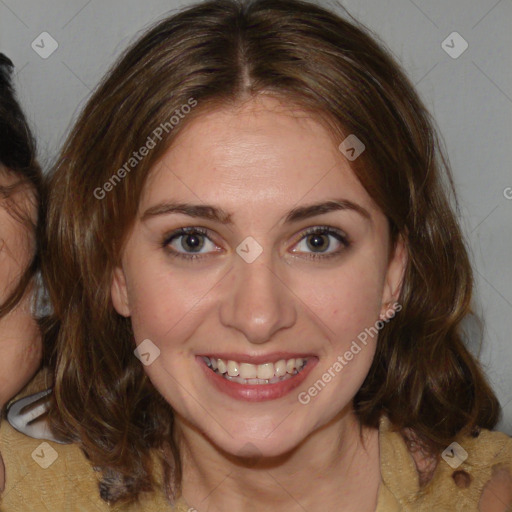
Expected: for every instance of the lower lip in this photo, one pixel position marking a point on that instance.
(256, 392)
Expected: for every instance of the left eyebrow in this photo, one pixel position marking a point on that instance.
(312, 210)
(219, 215)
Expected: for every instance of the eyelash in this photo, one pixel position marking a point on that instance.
(316, 230)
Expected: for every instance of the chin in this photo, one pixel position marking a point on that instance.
(253, 450)
(254, 443)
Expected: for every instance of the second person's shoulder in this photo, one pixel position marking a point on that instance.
(45, 475)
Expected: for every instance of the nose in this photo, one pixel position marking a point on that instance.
(257, 301)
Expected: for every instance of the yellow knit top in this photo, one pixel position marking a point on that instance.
(44, 476)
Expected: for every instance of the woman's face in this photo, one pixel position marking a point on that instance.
(20, 342)
(260, 288)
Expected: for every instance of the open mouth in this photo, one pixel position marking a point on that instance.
(253, 374)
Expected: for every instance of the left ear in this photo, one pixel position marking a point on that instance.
(394, 275)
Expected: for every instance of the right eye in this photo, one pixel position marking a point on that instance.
(187, 243)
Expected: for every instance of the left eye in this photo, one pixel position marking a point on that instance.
(318, 240)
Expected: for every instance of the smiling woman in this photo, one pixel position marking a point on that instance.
(291, 235)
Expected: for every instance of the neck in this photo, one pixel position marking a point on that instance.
(327, 471)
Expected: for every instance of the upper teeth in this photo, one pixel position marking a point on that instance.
(253, 371)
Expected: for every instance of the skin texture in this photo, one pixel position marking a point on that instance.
(497, 493)
(258, 162)
(20, 341)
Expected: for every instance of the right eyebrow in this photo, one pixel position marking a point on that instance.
(192, 210)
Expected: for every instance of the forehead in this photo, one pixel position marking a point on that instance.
(261, 154)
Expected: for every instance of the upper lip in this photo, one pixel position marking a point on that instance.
(257, 359)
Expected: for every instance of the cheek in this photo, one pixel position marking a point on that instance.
(347, 299)
(19, 362)
(16, 249)
(166, 304)
(347, 302)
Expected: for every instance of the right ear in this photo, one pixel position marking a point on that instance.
(119, 292)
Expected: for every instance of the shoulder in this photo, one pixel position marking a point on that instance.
(474, 473)
(44, 475)
(481, 466)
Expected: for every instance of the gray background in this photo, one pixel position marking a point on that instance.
(470, 98)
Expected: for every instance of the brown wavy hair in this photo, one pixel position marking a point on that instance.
(219, 53)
